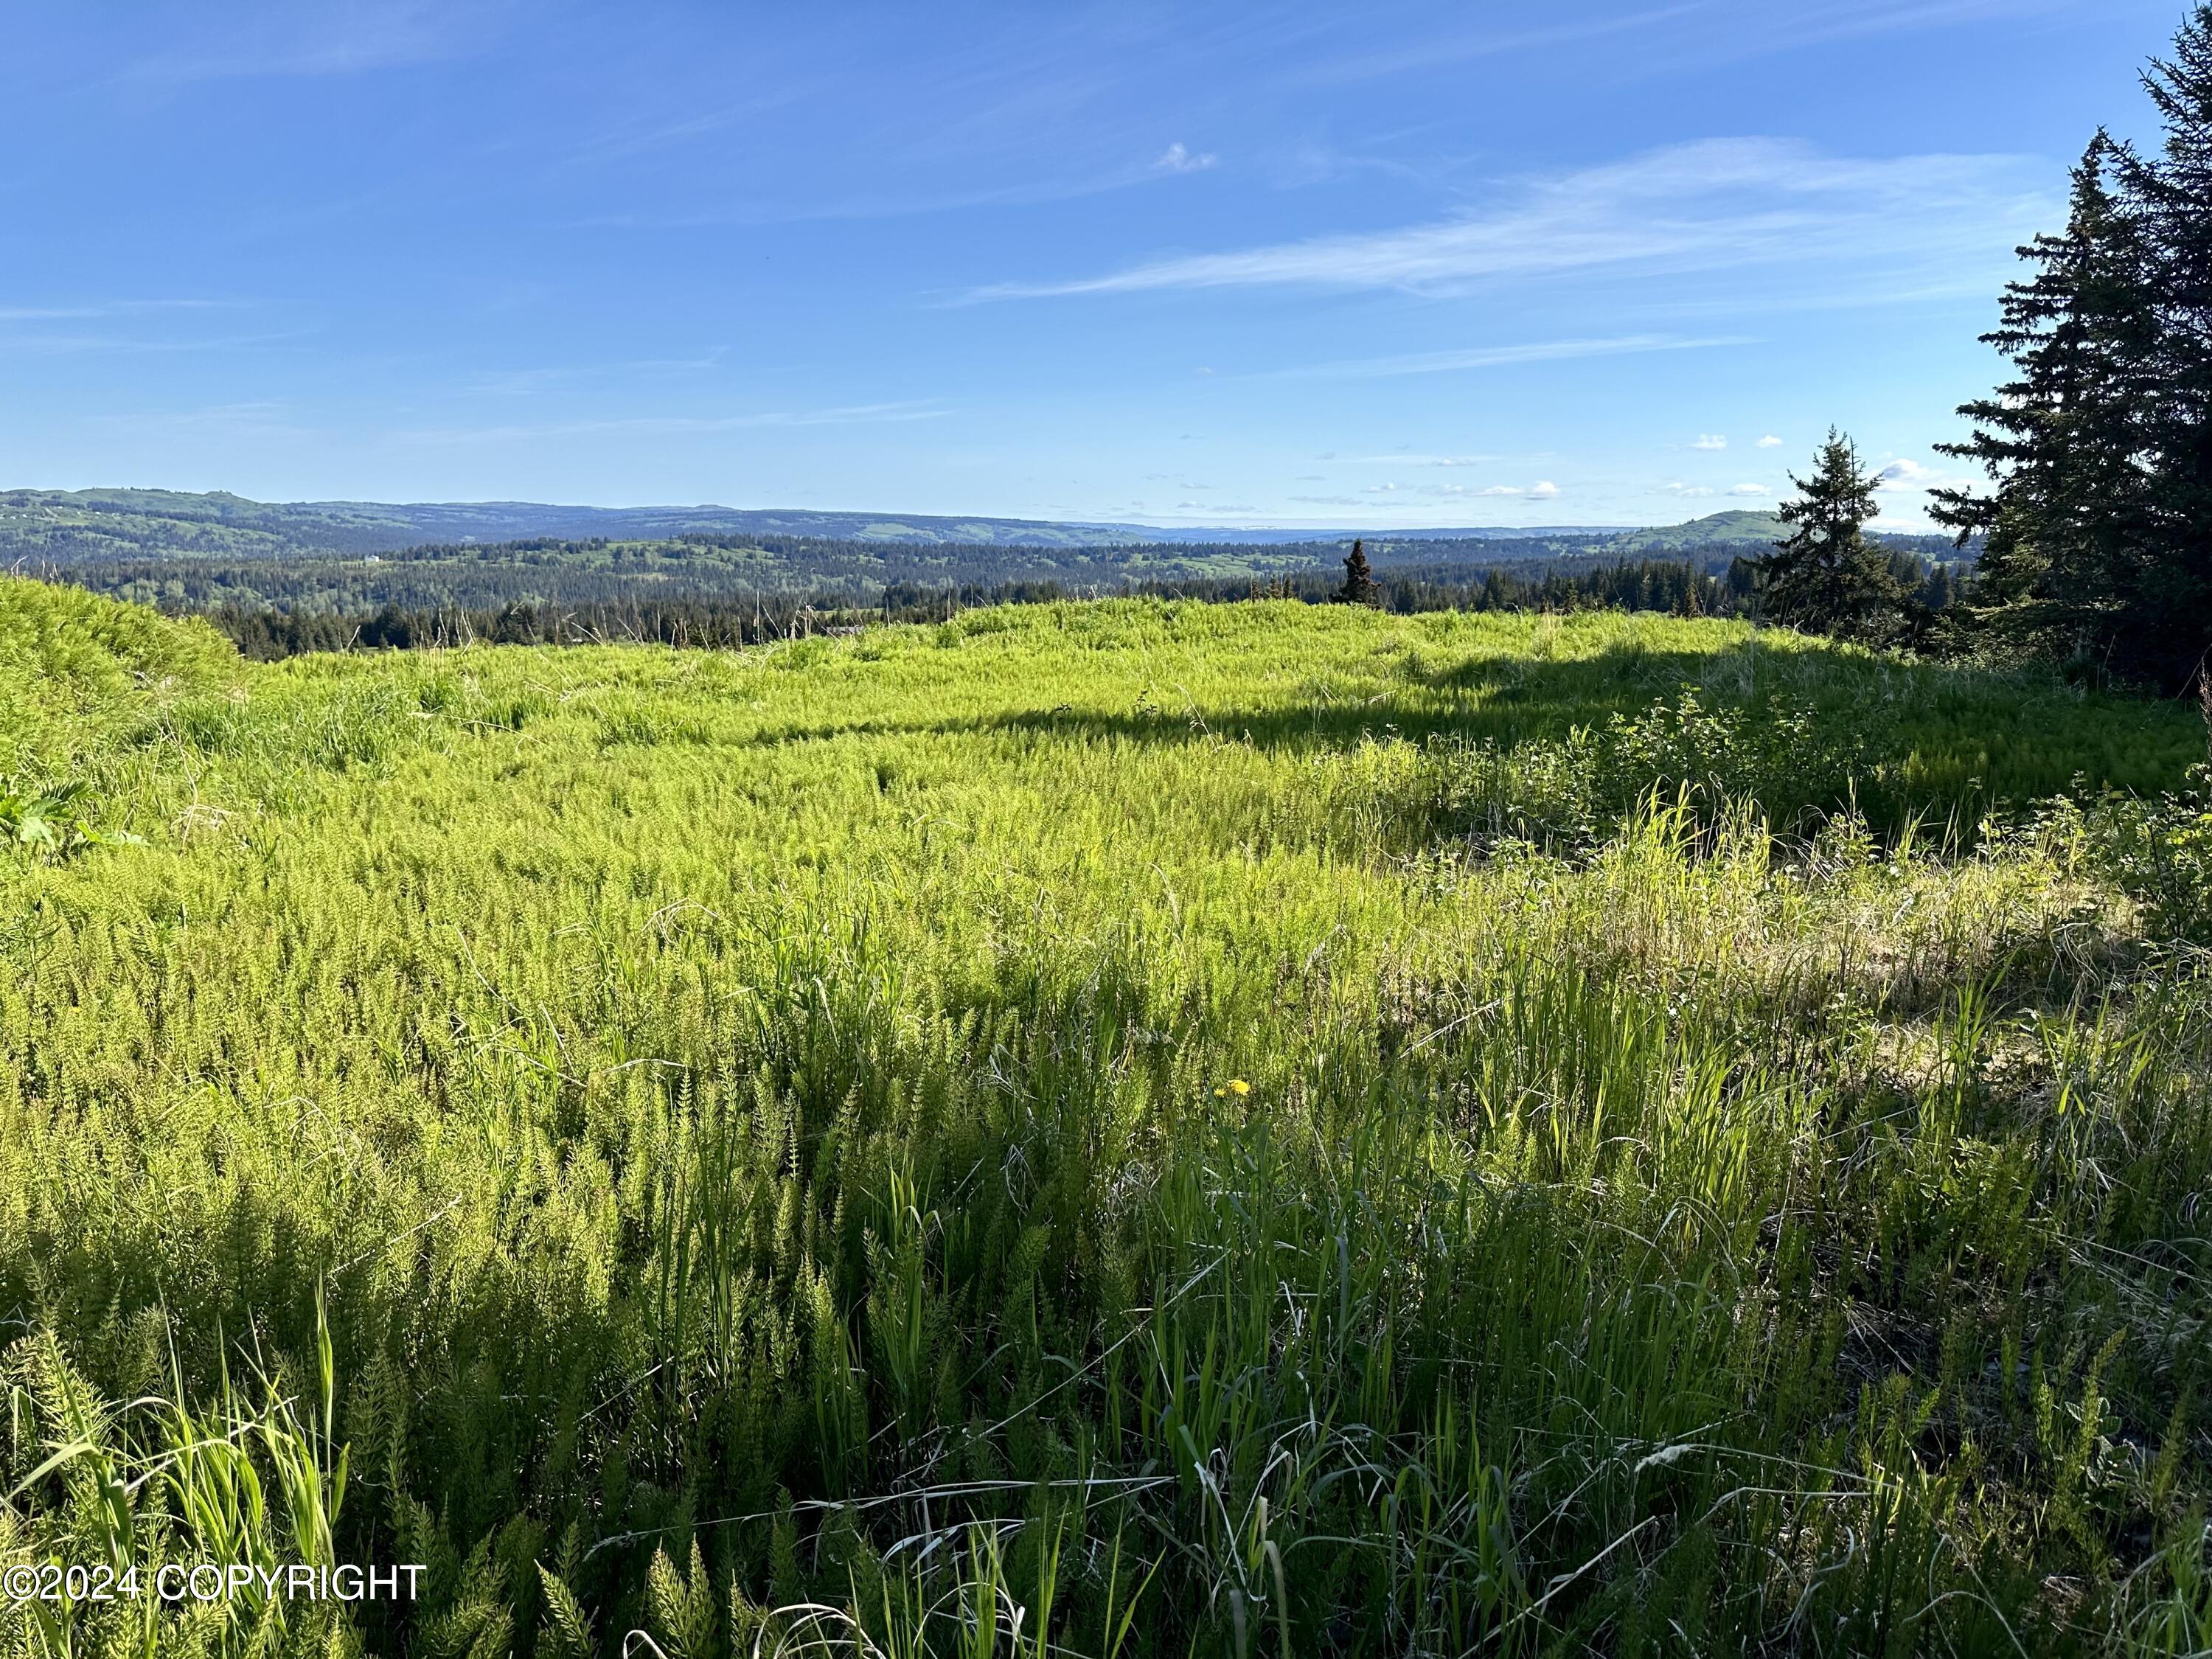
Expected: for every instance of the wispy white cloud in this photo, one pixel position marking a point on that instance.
(97, 309)
(259, 421)
(313, 41)
(868, 204)
(531, 382)
(44, 344)
(1541, 351)
(1039, 109)
(1540, 491)
(1770, 441)
(1178, 158)
(1817, 23)
(858, 414)
(113, 326)
(1722, 202)
(1903, 476)
(1904, 485)
(1403, 459)
(1751, 489)
(1710, 440)
(1431, 51)
(1704, 31)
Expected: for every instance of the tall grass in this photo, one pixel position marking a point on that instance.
(1114, 1129)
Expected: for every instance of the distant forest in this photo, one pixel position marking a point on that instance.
(1718, 581)
(547, 570)
(708, 589)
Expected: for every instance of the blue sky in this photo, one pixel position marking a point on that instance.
(1585, 262)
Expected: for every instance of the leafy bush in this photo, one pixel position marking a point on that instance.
(2159, 850)
(1787, 756)
(1787, 760)
(54, 822)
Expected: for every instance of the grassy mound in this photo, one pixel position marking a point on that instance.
(1148, 1129)
(74, 666)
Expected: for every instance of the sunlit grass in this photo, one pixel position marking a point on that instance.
(1715, 1164)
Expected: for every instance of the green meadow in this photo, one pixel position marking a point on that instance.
(1119, 1128)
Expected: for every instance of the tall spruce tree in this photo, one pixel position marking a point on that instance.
(2073, 541)
(1827, 578)
(1358, 579)
(2174, 598)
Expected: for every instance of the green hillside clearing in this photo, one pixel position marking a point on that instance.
(1217, 1128)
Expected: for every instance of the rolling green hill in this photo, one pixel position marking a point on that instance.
(1750, 530)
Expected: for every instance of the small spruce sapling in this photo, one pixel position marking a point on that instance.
(1358, 579)
(1827, 578)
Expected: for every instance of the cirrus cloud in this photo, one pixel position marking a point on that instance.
(1717, 203)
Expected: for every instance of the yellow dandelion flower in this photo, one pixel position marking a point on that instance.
(1238, 1085)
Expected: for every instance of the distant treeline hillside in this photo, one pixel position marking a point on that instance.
(73, 527)
(597, 571)
(546, 571)
(51, 529)
(1698, 586)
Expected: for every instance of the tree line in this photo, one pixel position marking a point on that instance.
(596, 572)
(1700, 584)
(2095, 526)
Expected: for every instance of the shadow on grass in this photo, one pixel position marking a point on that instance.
(1920, 737)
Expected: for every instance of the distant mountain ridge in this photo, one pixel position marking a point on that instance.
(74, 527)
(77, 525)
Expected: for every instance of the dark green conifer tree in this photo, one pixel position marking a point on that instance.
(2171, 605)
(1827, 578)
(1358, 579)
(2071, 535)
